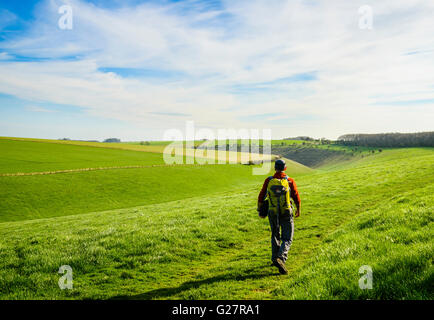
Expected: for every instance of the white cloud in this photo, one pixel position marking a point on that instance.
(6, 18)
(5, 56)
(39, 109)
(259, 41)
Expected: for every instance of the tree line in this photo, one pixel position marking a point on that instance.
(419, 139)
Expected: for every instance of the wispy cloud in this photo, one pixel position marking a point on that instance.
(39, 109)
(406, 102)
(196, 59)
(171, 114)
(6, 18)
(5, 56)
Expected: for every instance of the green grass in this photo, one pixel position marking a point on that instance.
(316, 155)
(215, 247)
(21, 155)
(41, 196)
(33, 197)
(395, 239)
(50, 195)
(30, 156)
(151, 143)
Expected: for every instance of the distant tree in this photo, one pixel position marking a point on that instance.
(396, 140)
(303, 138)
(111, 140)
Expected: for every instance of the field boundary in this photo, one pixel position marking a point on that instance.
(94, 169)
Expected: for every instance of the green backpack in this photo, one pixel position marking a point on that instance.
(278, 194)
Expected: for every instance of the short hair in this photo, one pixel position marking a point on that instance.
(280, 165)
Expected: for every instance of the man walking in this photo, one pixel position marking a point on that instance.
(278, 190)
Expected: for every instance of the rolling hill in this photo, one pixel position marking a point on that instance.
(373, 211)
(63, 179)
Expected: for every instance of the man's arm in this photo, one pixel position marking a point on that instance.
(263, 192)
(295, 196)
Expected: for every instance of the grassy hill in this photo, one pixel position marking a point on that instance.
(315, 154)
(28, 154)
(153, 147)
(55, 193)
(312, 157)
(374, 211)
(33, 197)
(36, 156)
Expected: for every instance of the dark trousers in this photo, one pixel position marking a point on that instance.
(282, 231)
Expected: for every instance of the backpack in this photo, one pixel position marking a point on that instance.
(278, 192)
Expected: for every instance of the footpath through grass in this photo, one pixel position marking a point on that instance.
(215, 247)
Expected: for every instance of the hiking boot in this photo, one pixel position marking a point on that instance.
(280, 265)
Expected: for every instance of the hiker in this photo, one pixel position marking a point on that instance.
(278, 190)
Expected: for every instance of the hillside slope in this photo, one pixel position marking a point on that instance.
(26, 154)
(215, 247)
(37, 156)
(40, 179)
(394, 239)
(312, 157)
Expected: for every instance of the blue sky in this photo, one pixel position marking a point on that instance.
(135, 69)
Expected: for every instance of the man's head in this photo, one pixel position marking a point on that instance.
(280, 165)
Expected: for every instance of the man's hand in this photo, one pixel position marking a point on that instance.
(297, 212)
(259, 210)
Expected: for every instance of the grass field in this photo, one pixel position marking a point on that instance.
(32, 197)
(207, 241)
(30, 156)
(65, 193)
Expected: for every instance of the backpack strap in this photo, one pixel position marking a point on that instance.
(266, 194)
(290, 199)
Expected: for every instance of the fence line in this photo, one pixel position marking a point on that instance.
(91, 169)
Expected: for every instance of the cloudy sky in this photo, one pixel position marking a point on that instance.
(133, 69)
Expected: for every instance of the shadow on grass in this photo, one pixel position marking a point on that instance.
(166, 292)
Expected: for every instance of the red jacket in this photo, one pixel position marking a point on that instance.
(279, 175)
